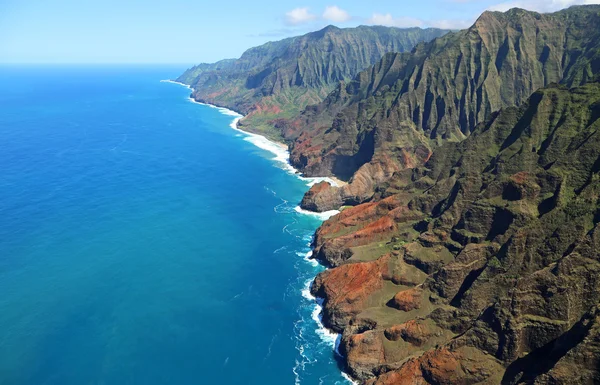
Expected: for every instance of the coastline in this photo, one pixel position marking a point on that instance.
(279, 149)
(282, 155)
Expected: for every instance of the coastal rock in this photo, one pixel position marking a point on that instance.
(336, 250)
(471, 255)
(346, 290)
(443, 366)
(360, 188)
(339, 237)
(364, 353)
(321, 197)
(347, 219)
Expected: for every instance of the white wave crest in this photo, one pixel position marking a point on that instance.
(174, 82)
(349, 379)
(308, 258)
(322, 216)
(325, 334)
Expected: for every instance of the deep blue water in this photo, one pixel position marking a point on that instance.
(144, 241)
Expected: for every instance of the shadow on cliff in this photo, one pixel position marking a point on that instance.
(544, 358)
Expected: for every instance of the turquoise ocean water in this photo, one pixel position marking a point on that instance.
(144, 241)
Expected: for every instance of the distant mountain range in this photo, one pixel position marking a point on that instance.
(279, 79)
(471, 252)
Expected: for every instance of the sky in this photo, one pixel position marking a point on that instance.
(194, 31)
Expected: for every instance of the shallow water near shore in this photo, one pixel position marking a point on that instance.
(144, 241)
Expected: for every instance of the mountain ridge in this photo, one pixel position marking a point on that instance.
(278, 79)
(439, 92)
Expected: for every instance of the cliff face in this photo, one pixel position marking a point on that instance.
(392, 116)
(471, 255)
(482, 266)
(278, 79)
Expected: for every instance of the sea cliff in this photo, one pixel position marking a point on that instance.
(466, 248)
(272, 83)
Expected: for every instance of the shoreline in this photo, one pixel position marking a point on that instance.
(282, 155)
(268, 145)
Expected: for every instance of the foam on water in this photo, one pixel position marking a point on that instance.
(312, 323)
(349, 379)
(174, 82)
(282, 155)
(325, 334)
(308, 258)
(322, 216)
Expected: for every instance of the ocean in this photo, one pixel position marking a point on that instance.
(145, 241)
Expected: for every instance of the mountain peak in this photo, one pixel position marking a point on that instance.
(324, 31)
(330, 27)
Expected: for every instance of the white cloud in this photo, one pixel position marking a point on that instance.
(389, 21)
(540, 5)
(450, 24)
(335, 14)
(405, 22)
(532, 5)
(299, 16)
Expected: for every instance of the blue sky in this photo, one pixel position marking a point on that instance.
(192, 31)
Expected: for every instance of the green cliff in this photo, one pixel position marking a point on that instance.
(278, 79)
(393, 114)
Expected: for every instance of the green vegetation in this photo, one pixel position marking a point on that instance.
(277, 80)
(443, 89)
